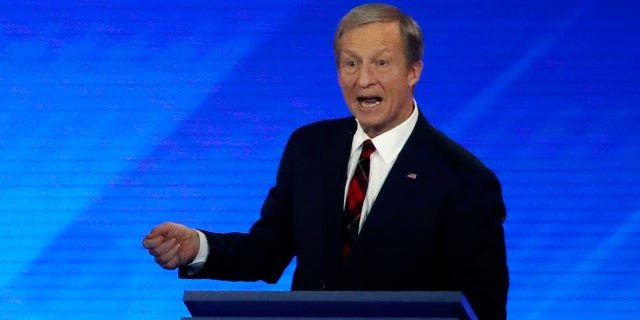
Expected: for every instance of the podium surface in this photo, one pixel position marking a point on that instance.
(219, 305)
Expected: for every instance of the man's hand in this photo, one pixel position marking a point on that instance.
(172, 245)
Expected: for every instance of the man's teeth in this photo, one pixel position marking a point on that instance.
(370, 102)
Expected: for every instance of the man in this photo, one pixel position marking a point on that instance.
(432, 214)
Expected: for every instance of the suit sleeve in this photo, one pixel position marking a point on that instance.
(476, 249)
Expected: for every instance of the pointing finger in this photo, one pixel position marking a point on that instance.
(152, 242)
(163, 247)
(161, 230)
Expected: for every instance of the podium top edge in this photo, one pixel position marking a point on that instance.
(363, 296)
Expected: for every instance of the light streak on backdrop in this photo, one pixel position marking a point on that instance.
(117, 115)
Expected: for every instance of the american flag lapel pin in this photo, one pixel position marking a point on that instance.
(412, 175)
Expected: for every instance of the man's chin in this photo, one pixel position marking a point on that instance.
(372, 128)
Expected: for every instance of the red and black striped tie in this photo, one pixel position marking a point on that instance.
(355, 197)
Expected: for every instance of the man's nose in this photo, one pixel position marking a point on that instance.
(366, 76)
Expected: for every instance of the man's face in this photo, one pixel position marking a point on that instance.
(374, 76)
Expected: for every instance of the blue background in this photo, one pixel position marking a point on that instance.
(118, 115)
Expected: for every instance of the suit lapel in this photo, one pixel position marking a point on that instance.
(338, 151)
(407, 176)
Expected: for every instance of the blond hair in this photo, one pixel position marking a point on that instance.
(379, 12)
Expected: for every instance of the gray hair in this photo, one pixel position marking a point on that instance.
(379, 12)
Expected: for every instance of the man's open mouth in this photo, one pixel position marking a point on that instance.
(369, 101)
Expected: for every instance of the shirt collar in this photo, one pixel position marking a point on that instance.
(389, 143)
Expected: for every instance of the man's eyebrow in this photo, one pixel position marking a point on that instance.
(347, 52)
(382, 54)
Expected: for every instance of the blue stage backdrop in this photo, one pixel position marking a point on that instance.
(118, 115)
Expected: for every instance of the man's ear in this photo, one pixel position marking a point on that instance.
(415, 70)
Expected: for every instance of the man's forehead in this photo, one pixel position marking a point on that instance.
(372, 32)
(377, 26)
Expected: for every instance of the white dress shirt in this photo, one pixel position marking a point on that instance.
(388, 146)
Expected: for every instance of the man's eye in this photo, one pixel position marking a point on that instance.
(382, 62)
(350, 63)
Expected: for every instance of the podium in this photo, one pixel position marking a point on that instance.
(265, 305)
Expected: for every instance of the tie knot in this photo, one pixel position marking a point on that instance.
(367, 149)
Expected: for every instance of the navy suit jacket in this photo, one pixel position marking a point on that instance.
(435, 225)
